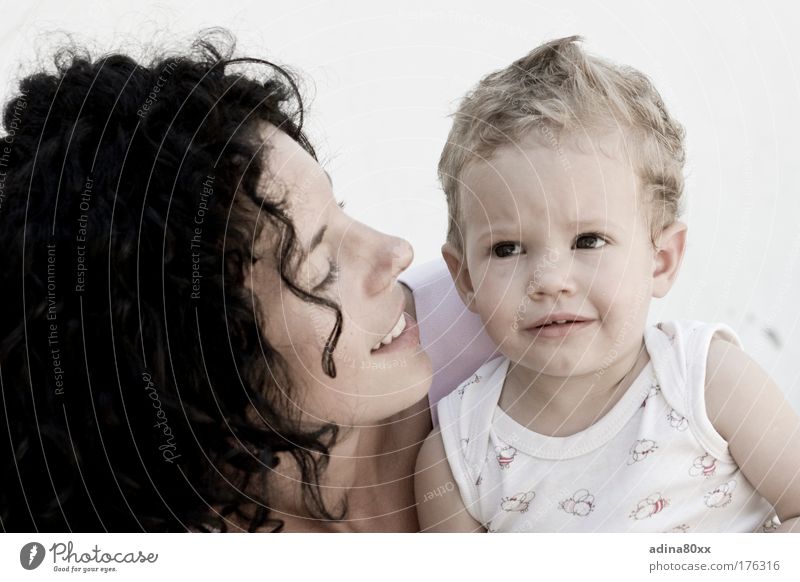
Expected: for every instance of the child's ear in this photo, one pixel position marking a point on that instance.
(669, 253)
(460, 274)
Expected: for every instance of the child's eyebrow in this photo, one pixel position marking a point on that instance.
(495, 229)
(594, 222)
(500, 229)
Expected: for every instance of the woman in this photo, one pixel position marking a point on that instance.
(194, 336)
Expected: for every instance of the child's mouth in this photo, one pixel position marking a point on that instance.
(555, 323)
(559, 328)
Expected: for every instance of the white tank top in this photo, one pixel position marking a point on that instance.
(654, 463)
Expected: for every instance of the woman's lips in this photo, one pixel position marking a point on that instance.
(409, 338)
(556, 330)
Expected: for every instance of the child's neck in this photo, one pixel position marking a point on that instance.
(561, 406)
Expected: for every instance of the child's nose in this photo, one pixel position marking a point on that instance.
(552, 277)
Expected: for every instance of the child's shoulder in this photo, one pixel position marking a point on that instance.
(686, 329)
(489, 374)
(682, 346)
(711, 376)
(468, 409)
(733, 382)
(684, 354)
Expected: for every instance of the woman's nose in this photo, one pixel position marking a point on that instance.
(388, 257)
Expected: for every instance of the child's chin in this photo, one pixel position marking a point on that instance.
(564, 367)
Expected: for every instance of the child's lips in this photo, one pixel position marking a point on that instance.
(558, 316)
(555, 330)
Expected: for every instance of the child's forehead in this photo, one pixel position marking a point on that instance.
(561, 154)
(546, 190)
(569, 180)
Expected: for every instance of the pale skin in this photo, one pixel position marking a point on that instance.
(553, 393)
(372, 470)
(762, 430)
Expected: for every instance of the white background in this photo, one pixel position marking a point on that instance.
(382, 77)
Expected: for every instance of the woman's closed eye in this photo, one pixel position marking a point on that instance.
(589, 241)
(506, 249)
(330, 278)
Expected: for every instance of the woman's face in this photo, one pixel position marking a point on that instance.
(357, 268)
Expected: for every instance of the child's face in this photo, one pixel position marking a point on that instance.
(554, 234)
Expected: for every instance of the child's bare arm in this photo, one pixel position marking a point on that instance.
(439, 504)
(748, 409)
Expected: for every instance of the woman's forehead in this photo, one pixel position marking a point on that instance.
(291, 173)
(294, 178)
(288, 162)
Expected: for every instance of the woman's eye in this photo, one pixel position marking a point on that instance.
(506, 249)
(330, 278)
(590, 241)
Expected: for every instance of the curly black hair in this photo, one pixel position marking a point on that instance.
(139, 392)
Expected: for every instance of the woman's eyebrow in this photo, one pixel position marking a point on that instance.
(317, 238)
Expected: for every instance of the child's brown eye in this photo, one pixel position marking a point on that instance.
(506, 249)
(589, 241)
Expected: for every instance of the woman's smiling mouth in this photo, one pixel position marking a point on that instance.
(404, 333)
(396, 331)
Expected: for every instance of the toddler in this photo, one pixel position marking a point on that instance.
(563, 176)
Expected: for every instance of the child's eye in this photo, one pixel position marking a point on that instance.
(590, 241)
(506, 249)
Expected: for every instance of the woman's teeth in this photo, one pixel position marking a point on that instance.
(396, 331)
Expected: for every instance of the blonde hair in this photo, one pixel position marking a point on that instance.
(560, 89)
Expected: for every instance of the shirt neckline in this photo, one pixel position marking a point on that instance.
(591, 438)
